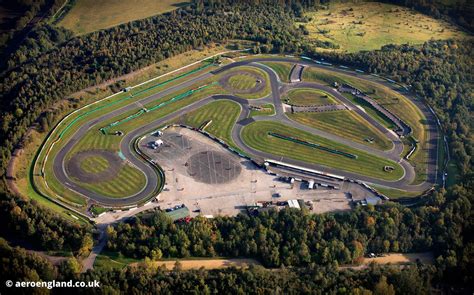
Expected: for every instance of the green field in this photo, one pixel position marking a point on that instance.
(223, 113)
(112, 260)
(267, 110)
(307, 96)
(390, 99)
(370, 25)
(88, 15)
(95, 164)
(243, 81)
(128, 181)
(345, 124)
(374, 113)
(256, 136)
(283, 69)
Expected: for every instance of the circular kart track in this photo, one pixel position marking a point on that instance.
(226, 82)
(75, 169)
(211, 167)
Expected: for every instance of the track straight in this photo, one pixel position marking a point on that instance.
(277, 88)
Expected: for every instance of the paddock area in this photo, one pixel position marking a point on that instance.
(211, 180)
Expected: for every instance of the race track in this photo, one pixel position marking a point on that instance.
(277, 89)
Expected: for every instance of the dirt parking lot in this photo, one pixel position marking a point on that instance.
(210, 180)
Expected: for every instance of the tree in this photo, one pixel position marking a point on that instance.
(383, 288)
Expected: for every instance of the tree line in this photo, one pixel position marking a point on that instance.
(19, 27)
(41, 78)
(42, 228)
(53, 65)
(20, 265)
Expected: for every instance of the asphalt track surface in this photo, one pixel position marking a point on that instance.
(277, 89)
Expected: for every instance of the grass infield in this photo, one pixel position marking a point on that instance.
(242, 82)
(307, 96)
(345, 124)
(223, 113)
(94, 164)
(283, 69)
(256, 136)
(390, 99)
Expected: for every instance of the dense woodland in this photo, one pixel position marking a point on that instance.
(281, 238)
(23, 266)
(51, 64)
(292, 238)
(41, 228)
(38, 81)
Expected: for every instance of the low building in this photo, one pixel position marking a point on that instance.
(294, 204)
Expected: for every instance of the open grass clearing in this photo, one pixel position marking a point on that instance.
(256, 136)
(206, 263)
(453, 176)
(370, 25)
(89, 15)
(308, 96)
(112, 260)
(223, 114)
(345, 124)
(267, 109)
(283, 69)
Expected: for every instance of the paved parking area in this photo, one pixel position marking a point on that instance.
(210, 180)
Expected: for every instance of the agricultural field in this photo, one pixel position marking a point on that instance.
(88, 15)
(368, 25)
(307, 97)
(346, 124)
(256, 136)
